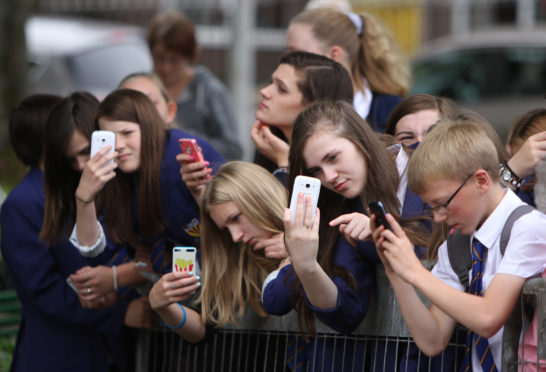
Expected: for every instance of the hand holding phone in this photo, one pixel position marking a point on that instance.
(100, 139)
(376, 208)
(309, 186)
(184, 259)
(190, 147)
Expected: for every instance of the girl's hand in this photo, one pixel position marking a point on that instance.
(269, 145)
(524, 162)
(195, 174)
(354, 227)
(173, 287)
(96, 174)
(301, 236)
(93, 282)
(273, 247)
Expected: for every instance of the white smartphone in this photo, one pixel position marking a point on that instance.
(71, 284)
(184, 259)
(309, 186)
(101, 139)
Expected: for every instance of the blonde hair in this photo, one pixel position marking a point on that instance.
(233, 273)
(452, 150)
(373, 55)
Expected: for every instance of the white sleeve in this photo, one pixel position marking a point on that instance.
(270, 277)
(89, 251)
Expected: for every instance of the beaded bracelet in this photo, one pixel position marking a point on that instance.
(183, 319)
(115, 272)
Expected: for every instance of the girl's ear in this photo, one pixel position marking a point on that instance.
(171, 108)
(336, 53)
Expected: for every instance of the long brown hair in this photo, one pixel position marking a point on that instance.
(75, 112)
(233, 272)
(133, 106)
(373, 54)
(382, 180)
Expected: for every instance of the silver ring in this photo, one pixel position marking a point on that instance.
(172, 286)
(89, 290)
(308, 226)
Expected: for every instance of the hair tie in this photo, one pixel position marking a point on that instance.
(357, 22)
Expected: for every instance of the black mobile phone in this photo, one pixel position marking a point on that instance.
(376, 207)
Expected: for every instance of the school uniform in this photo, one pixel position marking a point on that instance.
(350, 310)
(525, 256)
(56, 333)
(376, 108)
(180, 210)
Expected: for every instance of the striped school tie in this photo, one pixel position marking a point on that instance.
(481, 344)
(295, 354)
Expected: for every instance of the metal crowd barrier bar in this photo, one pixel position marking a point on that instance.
(259, 344)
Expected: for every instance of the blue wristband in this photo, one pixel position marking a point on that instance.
(182, 322)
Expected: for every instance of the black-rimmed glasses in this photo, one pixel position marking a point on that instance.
(444, 208)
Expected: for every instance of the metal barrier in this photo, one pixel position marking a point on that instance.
(259, 344)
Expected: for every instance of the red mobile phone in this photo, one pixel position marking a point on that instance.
(189, 146)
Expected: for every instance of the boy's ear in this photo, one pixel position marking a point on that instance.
(483, 181)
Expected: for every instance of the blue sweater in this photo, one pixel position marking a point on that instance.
(56, 333)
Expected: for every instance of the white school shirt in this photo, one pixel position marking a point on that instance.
(525, 256)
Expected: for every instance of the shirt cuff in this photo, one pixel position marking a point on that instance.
(86, 250)
(270, 277)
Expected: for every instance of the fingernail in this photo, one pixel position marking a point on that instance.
(191, 272)
(198, 277)
(192, 158)
(199, 284)
(207, 163)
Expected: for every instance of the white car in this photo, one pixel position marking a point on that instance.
(501, 74)
(68, 54)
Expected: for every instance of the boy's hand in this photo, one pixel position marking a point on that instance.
(395, 248)
(354, 227)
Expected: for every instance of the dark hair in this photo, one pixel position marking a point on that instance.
(416, 103)
(75, 112)
(134, 106)
(382, 176)
(321, 78)
(27, 124)
(530, 123)
(176, 31)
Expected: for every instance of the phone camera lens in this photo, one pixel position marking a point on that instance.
(307, 185)
(103, 140)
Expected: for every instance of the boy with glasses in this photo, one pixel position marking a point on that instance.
(455, 171)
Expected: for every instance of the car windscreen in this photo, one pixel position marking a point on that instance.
(106, 67)
(472, 75)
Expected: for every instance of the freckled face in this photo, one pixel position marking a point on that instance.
(412, 127)
(282, 100)
(336, 162)
(228, 216)
(463, 211)
(127, 143)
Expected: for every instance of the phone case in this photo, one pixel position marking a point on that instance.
(183, 258)
(71, 284)
(100, 139)
(376, 207)
(309, 186)
(189, 146)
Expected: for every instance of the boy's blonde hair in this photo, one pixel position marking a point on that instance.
(452, 150)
